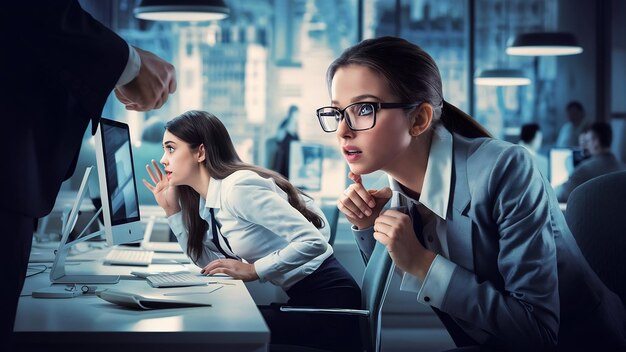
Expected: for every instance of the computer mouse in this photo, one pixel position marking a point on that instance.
(217, 275)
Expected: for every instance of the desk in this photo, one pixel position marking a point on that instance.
(88, 323)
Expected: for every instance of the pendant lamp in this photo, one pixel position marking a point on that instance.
(182, 10)
(501, 77)
(543, 44)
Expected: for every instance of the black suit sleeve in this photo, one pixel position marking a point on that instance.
(83, 55)
(59, 66)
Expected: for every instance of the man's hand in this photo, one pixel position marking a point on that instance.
(150, 89)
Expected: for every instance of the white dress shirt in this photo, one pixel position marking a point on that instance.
(433, 208)
(261, 227)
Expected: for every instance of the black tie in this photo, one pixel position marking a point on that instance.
(456, 332)
(216, 237)
(418, 226)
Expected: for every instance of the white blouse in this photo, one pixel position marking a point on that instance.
(261, 228)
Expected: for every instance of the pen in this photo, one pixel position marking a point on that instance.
(191, 293)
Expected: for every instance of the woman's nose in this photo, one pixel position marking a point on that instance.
(343, 131)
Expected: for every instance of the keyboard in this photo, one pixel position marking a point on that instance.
(175, 280)
(129, 257)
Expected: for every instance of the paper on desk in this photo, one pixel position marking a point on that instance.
(163, 298)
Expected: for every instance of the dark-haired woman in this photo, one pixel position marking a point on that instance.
(250, 223)
(287, 133)
(482, 241)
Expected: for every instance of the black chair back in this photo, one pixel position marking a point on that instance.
(596, 215)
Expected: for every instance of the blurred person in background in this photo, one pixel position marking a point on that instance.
(287, 132)
(596, 143)
(576, 122)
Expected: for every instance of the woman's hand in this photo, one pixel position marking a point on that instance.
(165, 196)
(362, 206)
(394, 229)
(233, 268)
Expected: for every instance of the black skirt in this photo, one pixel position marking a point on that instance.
(329, 286)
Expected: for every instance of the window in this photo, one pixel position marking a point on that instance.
(437, 26)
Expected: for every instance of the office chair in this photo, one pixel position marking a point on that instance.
(332, 215)
(596, 216)
(373, 290)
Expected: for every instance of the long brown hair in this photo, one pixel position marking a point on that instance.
(200, 127)
(412, 75)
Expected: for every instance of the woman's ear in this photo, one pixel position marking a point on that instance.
(421, 119)
(201, 153)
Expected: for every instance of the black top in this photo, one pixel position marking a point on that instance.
(281, 159)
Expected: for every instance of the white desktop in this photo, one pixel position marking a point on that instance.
(232, 322)
(118, 189)
(561, 165)
(118, 193)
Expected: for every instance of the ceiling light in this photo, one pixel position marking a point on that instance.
(183, 10)
(543, 44)
(501, 77)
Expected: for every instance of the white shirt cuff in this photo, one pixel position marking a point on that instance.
(132, 67)
(410, 283)
(435, 285)
(362, 234)
(265, 266)
(176, 223)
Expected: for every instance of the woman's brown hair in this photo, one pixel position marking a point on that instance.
(200, 127)
(412, 75)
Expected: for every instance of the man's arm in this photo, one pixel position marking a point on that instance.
(88, 58)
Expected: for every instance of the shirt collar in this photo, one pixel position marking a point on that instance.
(213, 198)
(437, 181)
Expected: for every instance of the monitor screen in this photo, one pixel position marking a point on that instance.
(305, 165)
(562, 164)
(118, 191)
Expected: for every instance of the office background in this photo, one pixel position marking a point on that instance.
(268, 55)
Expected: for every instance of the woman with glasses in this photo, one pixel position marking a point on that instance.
(482, 239)
(252, 224)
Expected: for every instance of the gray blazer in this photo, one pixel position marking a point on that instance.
(520, 275)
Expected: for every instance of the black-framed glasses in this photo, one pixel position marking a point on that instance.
(359, 116)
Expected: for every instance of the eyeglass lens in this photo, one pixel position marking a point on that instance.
(359, 116)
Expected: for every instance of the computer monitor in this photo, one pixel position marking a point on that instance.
(305, 165)
(120, 204)
(118, 190)
(562, 164)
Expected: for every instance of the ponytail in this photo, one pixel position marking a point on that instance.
(461, 123)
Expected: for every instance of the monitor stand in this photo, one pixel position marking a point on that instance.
(57, 274)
